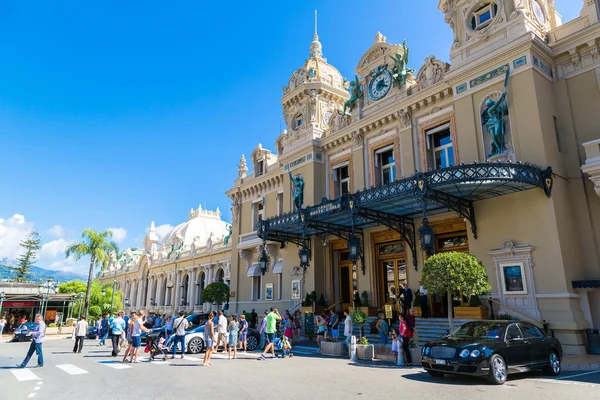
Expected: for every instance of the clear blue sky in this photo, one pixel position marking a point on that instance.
(117, 113)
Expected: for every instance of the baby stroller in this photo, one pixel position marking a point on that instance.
(282, 347)
(157, 351)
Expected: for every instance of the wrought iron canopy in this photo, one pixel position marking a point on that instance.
(396, 204)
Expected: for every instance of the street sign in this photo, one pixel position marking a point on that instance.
(388, 311)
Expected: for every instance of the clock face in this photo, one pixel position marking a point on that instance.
(380, 85)
(539, 12)
(327, 117)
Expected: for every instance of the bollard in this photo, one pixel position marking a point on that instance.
(353, 348)
(400, 362)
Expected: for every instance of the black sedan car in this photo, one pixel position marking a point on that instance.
(492, 349)
(21, 333)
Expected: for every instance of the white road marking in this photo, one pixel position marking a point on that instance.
(71, 369)
(24, 375)
(114, 364)
(36, 388)
(32, 394)
(572, 376)
(193, 358)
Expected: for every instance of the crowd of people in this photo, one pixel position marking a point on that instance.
(10, 322)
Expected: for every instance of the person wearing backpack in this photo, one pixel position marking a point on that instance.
(180, 325)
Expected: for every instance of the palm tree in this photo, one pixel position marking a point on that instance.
(98, 246)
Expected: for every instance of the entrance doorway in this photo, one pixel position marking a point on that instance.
(391, 273)
(347, 280)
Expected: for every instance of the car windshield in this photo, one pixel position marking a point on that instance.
(484, 330)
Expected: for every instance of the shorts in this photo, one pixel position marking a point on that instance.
(136, 341)
(322, 333)
(243, 336)
(335, 333)
(208, 343)
(384, 338)
(270, 337)
(221, 337)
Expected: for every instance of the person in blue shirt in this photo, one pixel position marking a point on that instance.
(104, 329)
(117, 328)
(37, 337)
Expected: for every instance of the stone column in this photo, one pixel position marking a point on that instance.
(177, 301)
(158, 295)
(192, 288)
(149, 295)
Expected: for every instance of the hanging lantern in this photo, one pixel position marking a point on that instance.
(354, 248)
(263, 261)
(427, 236)
(304, 255)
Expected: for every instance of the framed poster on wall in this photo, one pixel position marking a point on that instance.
(513, 278)
(269, 291)
(296, 289)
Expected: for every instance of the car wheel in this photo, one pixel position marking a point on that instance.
(251, 343)
(554, 367)
(196, 345)
(498, 370)
(436, 374)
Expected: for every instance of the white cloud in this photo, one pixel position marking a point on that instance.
(54, 249)
(119, 234)
(12, 231)
(57, 231)
(163, 230)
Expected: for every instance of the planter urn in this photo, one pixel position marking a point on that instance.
(365, 351)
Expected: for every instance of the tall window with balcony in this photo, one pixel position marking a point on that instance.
(440, 153)
(385, 165)
(341, 179)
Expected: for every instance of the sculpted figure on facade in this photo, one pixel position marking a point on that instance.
(400, 70)
(242, 168)
(431, 73)
(209, 242)
(404, 118)
(228, 237)
(356, 93)
(298, 183)
(493, 120)
(235, 210)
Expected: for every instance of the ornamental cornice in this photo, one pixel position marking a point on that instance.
(262, 187)
(324, 89)
(457, 77)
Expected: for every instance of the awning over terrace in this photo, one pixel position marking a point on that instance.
(396, 204)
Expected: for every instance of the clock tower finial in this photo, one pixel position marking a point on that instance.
(316, 50)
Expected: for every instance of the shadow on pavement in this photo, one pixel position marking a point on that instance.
(185, 365)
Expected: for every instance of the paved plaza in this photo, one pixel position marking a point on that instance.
(95, 374)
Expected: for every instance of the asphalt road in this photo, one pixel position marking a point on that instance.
(95, 374)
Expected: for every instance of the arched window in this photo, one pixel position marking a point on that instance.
(221, 276)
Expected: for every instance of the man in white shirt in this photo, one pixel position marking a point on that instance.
(222, 331)
(347, 327)
(180, 325)
(423, 298)
(80, 333)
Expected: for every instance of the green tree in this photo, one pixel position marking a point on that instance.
(454, 273)
(96, 300)
(216, 292)
(95, 313)
(31, 245)
(98, 246)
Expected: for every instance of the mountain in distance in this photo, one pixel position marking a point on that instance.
(39, 275)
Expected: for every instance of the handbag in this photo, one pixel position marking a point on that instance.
(147, 348)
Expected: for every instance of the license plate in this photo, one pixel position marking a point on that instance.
(443, 362)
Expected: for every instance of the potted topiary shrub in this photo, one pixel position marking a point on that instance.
(415, 351)
(364, 304)
(321, 305)
(453, 272)
(364, 350)
(474, 311)
(307, 305)
(417, 306)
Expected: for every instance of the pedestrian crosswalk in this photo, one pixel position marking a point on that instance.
(32, 374)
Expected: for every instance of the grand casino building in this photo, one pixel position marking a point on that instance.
(414, 164)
